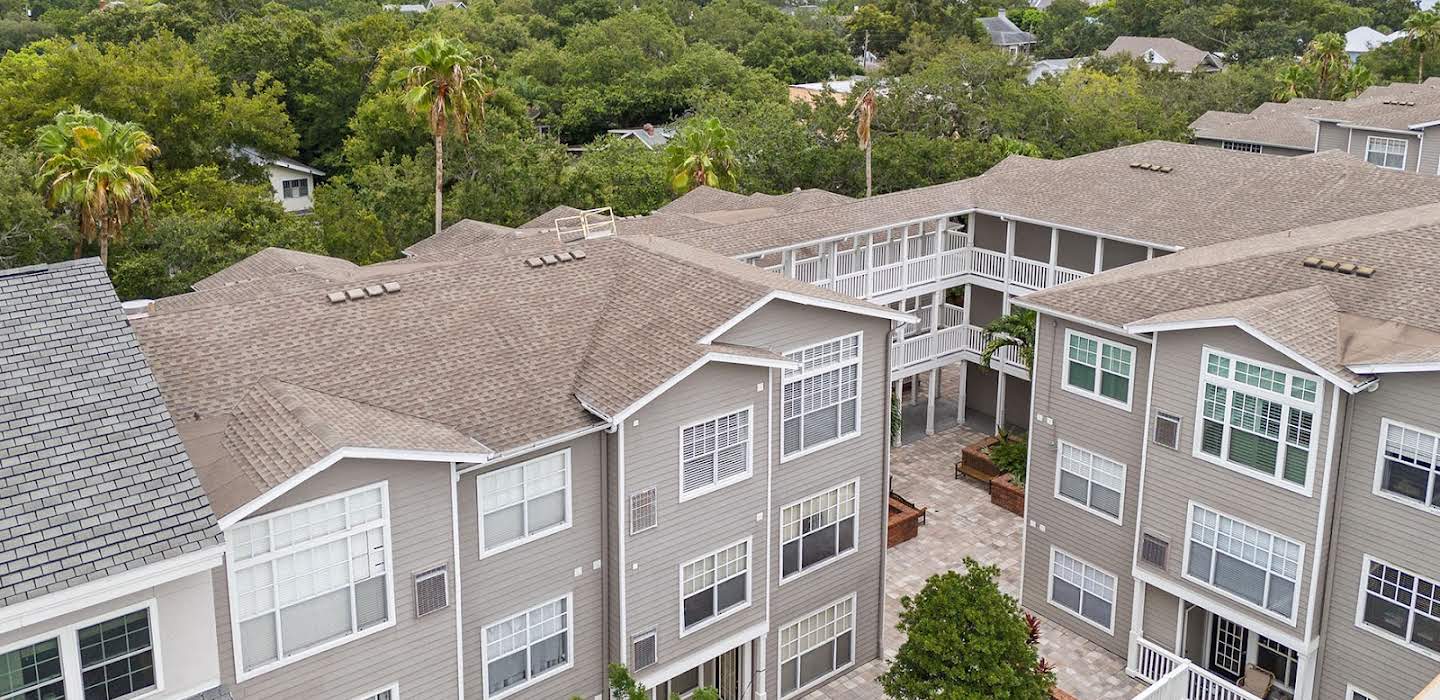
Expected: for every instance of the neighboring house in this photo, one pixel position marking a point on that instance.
(1045, 4)
(1004, 34)
(108, 539)
(415, 9)
(1047, 67)
(1162, 53)
(654, 137)
(1253, 491)
(292, 181)
(1362, 40)
(1273, 128)
(809, 92)
(491, 473)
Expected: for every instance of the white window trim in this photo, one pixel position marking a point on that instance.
(859, 395)
(749, 587)
(1118, 519)
(569, 599)
(1299, 568)
(1404, 155)
(393, 689)
(630, 509)
(68, 638)
(780, 661)
(721, 483)
(1375, 488)
(569, 509)
(1050, 591)
(242, 675)
(1360, 607)
(781, 526)
(1315, 408)
(1351, 692)
(1241, 146)
(1099, 353)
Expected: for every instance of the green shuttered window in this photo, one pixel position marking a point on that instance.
(1258, 417)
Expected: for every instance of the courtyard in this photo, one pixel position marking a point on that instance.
(961, 522)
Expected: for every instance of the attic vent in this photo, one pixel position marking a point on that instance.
(551, 259)
(1400, 103)
(1154, 550)
(1167, 430)
(432, 591)
(644, 651)
(591, 223)
(1344, 268)
(358, 293)
(1152, 167)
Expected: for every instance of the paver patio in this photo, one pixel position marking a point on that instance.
(962, 522)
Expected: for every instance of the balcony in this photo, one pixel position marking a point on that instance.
(1174, 678)
(951, 339)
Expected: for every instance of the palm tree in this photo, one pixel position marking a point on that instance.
(865, 113)
(96, 166)
(1330, 64)
(446, 82)
(703, 153)
(1015, 329)
(1422, 28)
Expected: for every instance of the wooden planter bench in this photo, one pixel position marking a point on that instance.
(905, 519)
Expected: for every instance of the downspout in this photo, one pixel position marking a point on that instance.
(459, 598)
(605, 535)
(620, 529)
(885, 489)
(761, 662)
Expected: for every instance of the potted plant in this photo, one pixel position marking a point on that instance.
(1007, 489)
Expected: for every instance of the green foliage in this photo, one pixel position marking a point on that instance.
(378, 209)
(1015, 329)
(623, 686)
(1324, 72)
(1010, 456)
(28, 232)
(703, 153)
(621, 174)
(965, 640)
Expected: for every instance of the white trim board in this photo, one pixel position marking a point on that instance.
(1307, 363)
(656, 675)
(682, 374)
(862, 308)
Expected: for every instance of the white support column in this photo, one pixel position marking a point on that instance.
(1137, 621)
(905, 257)
(787, 263)
(966, 318)
(1000, 402)
(869, 265)
(1305, 674)
(1054, 256)
(830, 249)
(1149, 253)
(937, 298)
(960, 400)
(930, 408)
(1009, 256)
(1099, 253)
(757, 662)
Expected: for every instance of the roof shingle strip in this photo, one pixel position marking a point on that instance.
(94, 477)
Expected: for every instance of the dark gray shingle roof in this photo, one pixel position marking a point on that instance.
(93, 478)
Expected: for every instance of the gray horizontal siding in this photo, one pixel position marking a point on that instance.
(1359, 137)
(1161, 617)
(1101, 428)
(1332, 137)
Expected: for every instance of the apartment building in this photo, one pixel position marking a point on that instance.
(1385, 125)
(490, 475)
(107, 540)
(1232, 475)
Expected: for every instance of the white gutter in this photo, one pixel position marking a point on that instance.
(459, 598)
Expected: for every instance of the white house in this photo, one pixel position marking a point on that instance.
(1362, 40)
(292, 181)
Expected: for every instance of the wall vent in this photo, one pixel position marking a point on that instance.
(1154, 550)
(643, 511)
(1167, 430)
(643, 651)
(432, 591)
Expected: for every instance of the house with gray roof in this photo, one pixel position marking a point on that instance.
(1004, 34)
(1165, 53)
(107, 539)
(497, 466)
(1273, 128)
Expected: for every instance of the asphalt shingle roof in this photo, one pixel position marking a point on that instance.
(94, 480)
(1181, 56)
(1285, 124)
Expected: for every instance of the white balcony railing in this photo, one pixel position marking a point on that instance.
(988, 263)
(1153, 663)
(1065, 274)
(1175, 678)
(946, 341)
(1029, 273)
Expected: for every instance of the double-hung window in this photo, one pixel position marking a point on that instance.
(1091, 481)
(821, 399)
(524, 501)
(714, 453)
(1098, 368)
(1409, 465)
(114, 658)
(293, 189)
(1401, 605)
(817, 529)
(310, 576)
(817, 646)
(1258, 418)
(1251, 564)
(1386, 152)
(714, 585)
(1082, 589)
(526, 647)
(33, 671)
(1240, 146)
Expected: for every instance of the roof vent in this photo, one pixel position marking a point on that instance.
(1344, 268)
(553, 259)
(1400, 103)
(358, 293)
(1152, 167)
(591, 223)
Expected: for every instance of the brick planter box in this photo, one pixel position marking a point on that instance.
(904, 521)
(1004, 492)
(975, 460)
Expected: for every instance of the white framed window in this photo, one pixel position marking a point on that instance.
(1098, 368)
(309, 578)
(293, 189)
(821, 399)
(714, 586)
(1386, 152)
(390, 692)
(819, 529)
(714, 453)
(644, 511)
(109, 657)
(1407, 467)
(817, 646)
(1353, 693)
(1241, 146)
(1243, 561)
(528, 646)
(1090, 481)
(524, 502)
(1084, 590)
(1401, 606)
(1257, 419)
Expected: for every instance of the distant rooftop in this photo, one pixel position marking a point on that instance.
(1164, 51)
(1003, 32)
